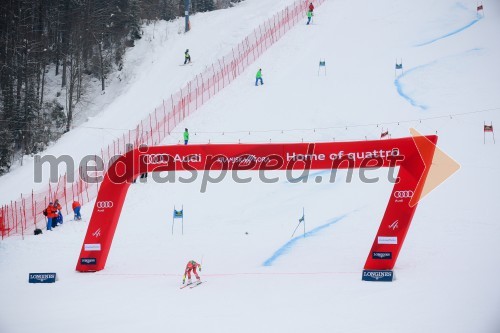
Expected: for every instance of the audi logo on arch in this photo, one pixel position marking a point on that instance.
(155, 159)
(102, 205)
(403, 194)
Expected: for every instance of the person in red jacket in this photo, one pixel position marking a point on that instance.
(191, 267)
(76, 209)
(51, 215)
(311, 7)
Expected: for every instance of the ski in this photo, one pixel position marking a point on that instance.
(196, 284)
(185, 285)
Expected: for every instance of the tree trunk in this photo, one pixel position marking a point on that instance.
(73, 75)
(43, 85)
(102, 65)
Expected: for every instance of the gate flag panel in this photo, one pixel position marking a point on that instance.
(403, 153)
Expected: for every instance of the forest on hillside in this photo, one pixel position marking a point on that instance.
(80, 41)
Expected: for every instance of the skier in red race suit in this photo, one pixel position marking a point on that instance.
(191, 266)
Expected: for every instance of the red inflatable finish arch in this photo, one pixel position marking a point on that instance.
(411, 155)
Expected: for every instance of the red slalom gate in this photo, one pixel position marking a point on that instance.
(412, 155)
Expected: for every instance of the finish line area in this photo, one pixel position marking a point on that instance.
(402, 153)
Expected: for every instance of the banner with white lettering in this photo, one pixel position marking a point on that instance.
(42, 278)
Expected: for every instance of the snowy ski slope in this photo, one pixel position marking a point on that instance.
(259, 279)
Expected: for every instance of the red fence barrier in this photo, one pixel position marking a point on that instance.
(25, 214)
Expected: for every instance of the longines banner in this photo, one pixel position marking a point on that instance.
(42, 278)
(406, 154)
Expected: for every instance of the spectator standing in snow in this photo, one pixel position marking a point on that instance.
(187, 57)
(76, 209)
(309, 16)
(59, 219)
(258, 77)
(191, 267)
(51, 212)
(186, 136)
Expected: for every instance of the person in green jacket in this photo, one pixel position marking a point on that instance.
(186, 136)
(258, 77)
(309, 16)
(187, 57)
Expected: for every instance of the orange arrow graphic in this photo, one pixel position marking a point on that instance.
(441, 168)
